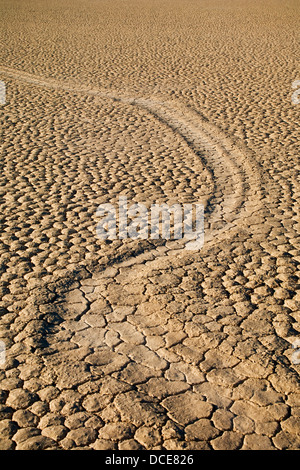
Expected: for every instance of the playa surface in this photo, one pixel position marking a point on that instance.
(141, 344)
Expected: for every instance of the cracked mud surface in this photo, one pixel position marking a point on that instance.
(142, 344)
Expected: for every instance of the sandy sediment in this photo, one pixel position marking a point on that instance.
(142, 344)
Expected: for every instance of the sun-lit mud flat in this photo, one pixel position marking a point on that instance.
(140, 344)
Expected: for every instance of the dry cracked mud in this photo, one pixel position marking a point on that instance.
(143, 344)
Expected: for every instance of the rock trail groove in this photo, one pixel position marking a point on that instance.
(236, 176)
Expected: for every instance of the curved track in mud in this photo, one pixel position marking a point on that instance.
(236, 175)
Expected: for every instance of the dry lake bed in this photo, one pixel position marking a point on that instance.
(134, 343)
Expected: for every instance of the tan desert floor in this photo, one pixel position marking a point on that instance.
(142, 344)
